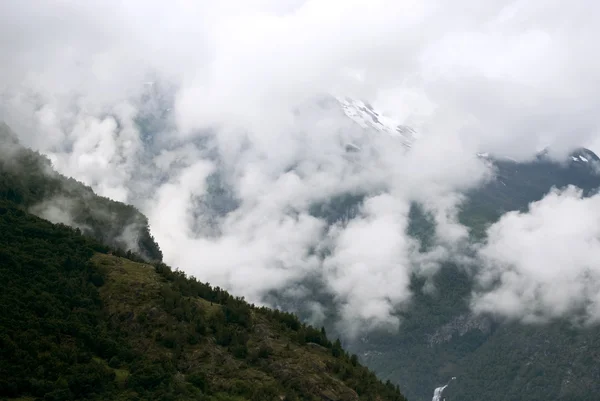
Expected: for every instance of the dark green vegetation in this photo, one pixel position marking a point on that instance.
(27, 179)
(80, 321)
(492, 359)
(517, 184)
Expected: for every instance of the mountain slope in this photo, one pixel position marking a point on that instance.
(515, 185)
(28, 179)
(440, 337)
(493, 359)
(80, 323)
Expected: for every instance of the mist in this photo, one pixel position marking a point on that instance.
(542, 265)
(162, 104)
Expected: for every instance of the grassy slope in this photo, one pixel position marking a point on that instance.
(132, 296)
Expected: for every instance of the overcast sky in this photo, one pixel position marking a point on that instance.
(234, 87)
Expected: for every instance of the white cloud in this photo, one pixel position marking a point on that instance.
(369, 268)
(543, 264)
(233, 94)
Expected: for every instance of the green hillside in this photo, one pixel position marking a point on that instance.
(28, 179)
(79, 322)
(86, 317)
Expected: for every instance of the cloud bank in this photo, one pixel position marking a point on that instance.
(211, 118)
(543, 264)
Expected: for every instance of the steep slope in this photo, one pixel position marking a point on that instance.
(28, 179)
(441, 338)
(492, 359)
(80, 323)
(515, 185)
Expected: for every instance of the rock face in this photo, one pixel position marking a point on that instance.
(459, 326)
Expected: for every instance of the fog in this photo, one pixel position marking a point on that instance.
(159, 103)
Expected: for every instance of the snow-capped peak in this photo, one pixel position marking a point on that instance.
(364, 115)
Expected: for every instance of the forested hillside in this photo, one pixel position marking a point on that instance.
(80, 321)
(28, 179)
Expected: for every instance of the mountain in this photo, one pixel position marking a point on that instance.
(440, 337)
(515, 185)
(82, 319)
(493, 359)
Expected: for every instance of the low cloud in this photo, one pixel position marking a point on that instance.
(543, 264)
(369, 266)
(58, 209)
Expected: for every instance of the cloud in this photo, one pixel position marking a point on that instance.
(543, 264)
(369, 267)
(212, 118)
(58, 209)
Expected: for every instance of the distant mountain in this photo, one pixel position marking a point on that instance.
(515, 184)
(440, 337)
(493, 360)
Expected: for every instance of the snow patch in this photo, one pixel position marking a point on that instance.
(364, 115)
